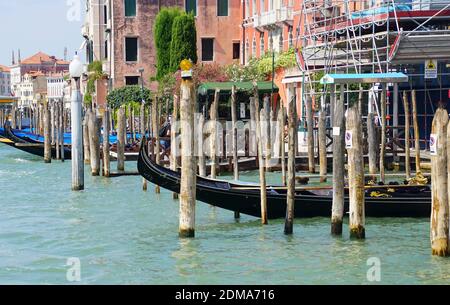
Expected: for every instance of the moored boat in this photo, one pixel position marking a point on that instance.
(408, 201)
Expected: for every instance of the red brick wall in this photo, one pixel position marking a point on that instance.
(140, 26)
(224, 29)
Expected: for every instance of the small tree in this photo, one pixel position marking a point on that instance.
(184, 40)
(126, 95)
(163, 37)
(95, 70)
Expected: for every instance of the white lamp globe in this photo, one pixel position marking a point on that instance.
(76, 67)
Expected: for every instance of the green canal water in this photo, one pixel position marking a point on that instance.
(122, 235)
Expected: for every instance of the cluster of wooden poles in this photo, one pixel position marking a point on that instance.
(342, 124)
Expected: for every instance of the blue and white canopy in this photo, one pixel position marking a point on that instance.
(360, 78)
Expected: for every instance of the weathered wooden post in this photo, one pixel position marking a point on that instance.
(338, 161)
(383, 133)
(234, 139)
(439, 224)
(416, 131)
(310, 138)
(106, 131)
(355, 173)
(281, 120)
(142, 132)
(87, 157)
(292, 117)
(173, 139)
(188, 166)
(13, 116)
(94, 143)
(261, 164)
(372, 140)
(214, 133)
(121, 138)
(200, 151)
(322, 142)
(61, 127)
(155, 121)
(234, 133)
(58, 133)
(52, 120)
(47, 137)
(407, 141)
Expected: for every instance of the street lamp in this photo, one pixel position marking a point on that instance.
(76, 70)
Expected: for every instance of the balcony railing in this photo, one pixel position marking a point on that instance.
(273, 17)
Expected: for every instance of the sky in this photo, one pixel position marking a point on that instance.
(40, 25)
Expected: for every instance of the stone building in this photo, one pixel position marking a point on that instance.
(5, 81)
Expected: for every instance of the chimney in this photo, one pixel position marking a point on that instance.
(13, 60)
(19, 60)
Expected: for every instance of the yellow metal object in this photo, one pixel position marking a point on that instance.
(378, 194)
(186, 65)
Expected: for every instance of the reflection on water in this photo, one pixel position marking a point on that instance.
(123, 235)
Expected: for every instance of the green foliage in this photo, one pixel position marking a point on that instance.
(163, 36)
(126, 95)
(184, 41)
(260, 69)
(95, 70)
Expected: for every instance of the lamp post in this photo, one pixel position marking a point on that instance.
(76, 70)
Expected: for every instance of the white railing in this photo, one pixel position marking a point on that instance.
(272, 17)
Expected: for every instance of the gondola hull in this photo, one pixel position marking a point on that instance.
(29, 145)
(246, 200)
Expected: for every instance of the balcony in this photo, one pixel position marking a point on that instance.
(277, 17)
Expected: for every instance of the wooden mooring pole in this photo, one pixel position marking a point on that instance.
(407, 141)
(94, 143)
(174, 148)
(87, 114)
(310, 136)
(47, 136)
(281, 121)
(106, 131)
(234, 140)
(383, 134)
(155, 135)
(121, 138)
(261, 164)
(292, 117)
(372, 140)
(356, 174)
(439, 224)
(214, 133)
(416, 131)
(188, 166)
(322, 143)
(337, 213)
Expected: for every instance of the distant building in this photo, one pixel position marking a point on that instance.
(39, 62)
(58, 89)
(5, 81)
(32, 89)
(120, 33)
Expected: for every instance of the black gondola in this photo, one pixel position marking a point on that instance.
(414, 201)
(29, 145)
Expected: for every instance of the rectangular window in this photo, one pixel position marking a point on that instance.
(207, 49)
(191, 6)
(106, 49)
(236, 50)
(130, 8)
(131, 80)
(131, 49)
(222, 7)
(105, 14)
